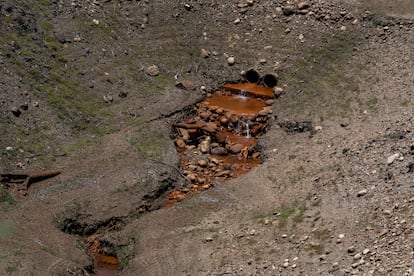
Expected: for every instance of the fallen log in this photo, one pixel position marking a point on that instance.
(25, 180)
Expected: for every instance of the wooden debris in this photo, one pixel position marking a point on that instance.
(23, 181)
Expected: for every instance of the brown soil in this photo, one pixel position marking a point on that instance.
(333, 196)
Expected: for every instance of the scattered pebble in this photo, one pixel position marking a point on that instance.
(153, 70)
(351, 249)
(362, 192)
(366, 251)
(231, 61)
(16, 111)
(204, 53)
(392, 158)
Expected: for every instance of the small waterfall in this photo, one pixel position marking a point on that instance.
(248, 129)
(243, 127)
(243, 93)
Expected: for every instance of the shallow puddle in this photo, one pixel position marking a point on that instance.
(217, 141)
(103, 263)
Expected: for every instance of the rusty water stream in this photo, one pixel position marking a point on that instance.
(103, 263)
(217, 141)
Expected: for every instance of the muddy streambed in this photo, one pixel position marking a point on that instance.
(218, 139)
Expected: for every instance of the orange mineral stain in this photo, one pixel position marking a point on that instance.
(105, 265)
(235, 104)
(217, 141)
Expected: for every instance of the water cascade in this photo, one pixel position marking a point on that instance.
(217, 140)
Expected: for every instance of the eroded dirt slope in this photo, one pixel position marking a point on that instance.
(335, 192)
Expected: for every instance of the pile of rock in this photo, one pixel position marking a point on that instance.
(215, 143)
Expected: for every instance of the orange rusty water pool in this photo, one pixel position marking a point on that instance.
(218, 140)
(105, 265)
(236, 104)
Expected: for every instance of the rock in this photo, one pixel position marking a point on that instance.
(219, 151)
(277, 91)
(214, 160)
(108, 98)
(314, 244)
(362, 192)
(387, 212)
(184, 133)
(265, 110)
(153, 70)
(16, 112)
(95, 21)
(205, 114)
(210, 127)
(204, 53)
(223, 173)
(355, 265)
(383, 232)
(208, 239)
(366, 251)
(205, 145)
(357, 256)
(237, 21)
(123, 94)
(202, 163)
(35, 104)
(60, 37)
(262, 61)
(191, 176)
(224, 120)
(186, 85)
(188, 7)
(392, 158)
(288, 10)
(24, 107)
(231, 61)
(269, 102)
(221, 137)
(180, 143)
(145, 20)
(351, 249)
(303, 5)
(236, 148)
(318, 128)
